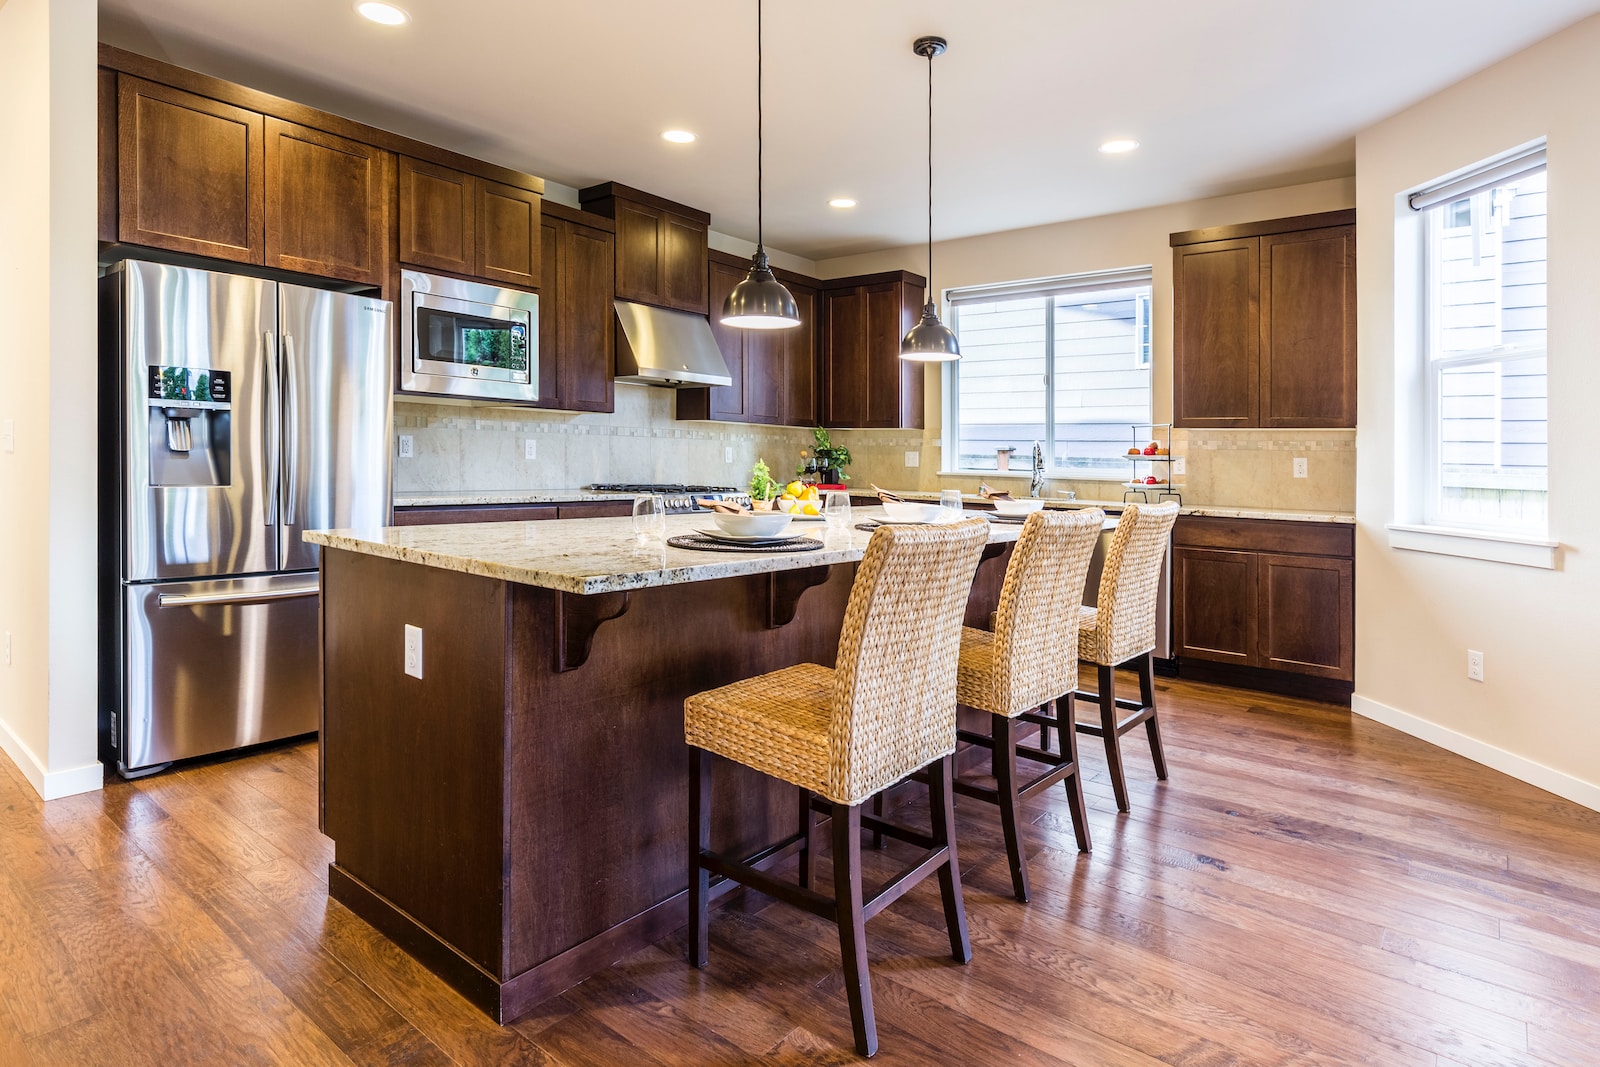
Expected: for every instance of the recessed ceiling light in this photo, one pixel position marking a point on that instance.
(383, 14)
(677, 136)
(1119, 145)
(841, 201)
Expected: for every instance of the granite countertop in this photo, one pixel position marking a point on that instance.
(599, 555)
(1215, 511)
(490, 497)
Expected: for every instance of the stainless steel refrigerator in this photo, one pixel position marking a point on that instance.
(246, 412)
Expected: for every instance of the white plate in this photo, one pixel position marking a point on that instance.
(737, 539)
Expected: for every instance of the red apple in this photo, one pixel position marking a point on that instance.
(1151, 480)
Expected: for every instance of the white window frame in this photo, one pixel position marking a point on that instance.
(1075, 285)
(1427, 532)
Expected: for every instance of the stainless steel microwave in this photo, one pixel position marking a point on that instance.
(468, 339)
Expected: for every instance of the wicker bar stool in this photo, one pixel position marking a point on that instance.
(844, 734)
(1122, 628)
(1017, 671)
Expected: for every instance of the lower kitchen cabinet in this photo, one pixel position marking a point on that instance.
(1270, 601)
(437, 515)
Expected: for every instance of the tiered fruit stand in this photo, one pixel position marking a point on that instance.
(1159, 464)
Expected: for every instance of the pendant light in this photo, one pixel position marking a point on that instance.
(930, 341)
(760, 302)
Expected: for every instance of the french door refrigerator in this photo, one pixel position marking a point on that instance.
(246, 412)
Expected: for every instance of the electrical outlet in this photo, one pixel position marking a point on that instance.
(913, 459)
(1178, 465)
(406, 451)
(530, 448)
(8, 648)
(414, 650)
(1300, 467)
(1474, 665)
(8, 435)
(727, 454)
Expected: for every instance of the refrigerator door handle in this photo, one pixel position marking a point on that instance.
(291, 440)
(273, 420)
(185, 600)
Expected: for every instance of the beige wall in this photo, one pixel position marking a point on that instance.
(47, 361)
(1537, 714)
(1246, 468)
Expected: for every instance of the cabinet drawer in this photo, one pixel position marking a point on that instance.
(596, 509)
(433, 516)
(1266, 535)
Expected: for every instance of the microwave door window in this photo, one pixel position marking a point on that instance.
(468, 340)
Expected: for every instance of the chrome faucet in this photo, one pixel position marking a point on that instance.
(1036, 484)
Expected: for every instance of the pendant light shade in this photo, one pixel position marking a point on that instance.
(930, 341)
(760, 302)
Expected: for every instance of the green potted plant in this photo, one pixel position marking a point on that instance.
(763, 490)
(831, 459)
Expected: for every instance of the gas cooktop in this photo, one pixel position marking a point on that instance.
(681, 499)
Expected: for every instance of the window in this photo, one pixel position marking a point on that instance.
(1483, 341)
(1065, 362)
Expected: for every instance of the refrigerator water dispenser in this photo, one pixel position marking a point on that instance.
(191, 437)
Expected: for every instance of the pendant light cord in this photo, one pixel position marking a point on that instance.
(930, 175)
(760, 140)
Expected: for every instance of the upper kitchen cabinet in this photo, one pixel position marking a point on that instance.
(867, 384)
(190, 172)
(773, 371)
(577, 334)
(1264, 319)
(455, 222)
(662, 254)
(327, 204)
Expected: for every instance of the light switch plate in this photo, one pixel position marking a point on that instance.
(1300, 470)
(8, 648)
(913, 459)
(406, 451)
(8, 435)
(530, 448)
(414, 650)
(727, 454)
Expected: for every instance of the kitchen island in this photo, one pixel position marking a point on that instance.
(516, 817)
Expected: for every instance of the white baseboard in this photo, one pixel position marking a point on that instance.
(50, 785)
(1519, 767)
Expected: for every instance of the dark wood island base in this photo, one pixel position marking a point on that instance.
(515, 819)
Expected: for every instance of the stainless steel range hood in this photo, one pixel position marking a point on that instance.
(668, 348)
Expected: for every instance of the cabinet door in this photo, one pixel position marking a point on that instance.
(764, 375)
(800, 362)
(190, 172)
(438, 217)
(726, 401)
(1308, 328)
(588, 320)
(846, 398)
(683, 265)
(508, 241)
(327, 204)
(638, 253)
(1306, 617)
(882, 355)
(551, 313)
(1214, 603)
(1216, 336)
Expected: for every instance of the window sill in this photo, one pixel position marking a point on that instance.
(1026, 475)
(1475, 544)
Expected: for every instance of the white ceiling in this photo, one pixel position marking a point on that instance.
(1225, 95)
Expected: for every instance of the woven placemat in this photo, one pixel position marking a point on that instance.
(702, 543)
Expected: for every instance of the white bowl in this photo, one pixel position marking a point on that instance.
(1016, 508)
(753, 523)
(912, 511)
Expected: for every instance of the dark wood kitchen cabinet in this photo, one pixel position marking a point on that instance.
(327, 204)
(867, 384)
(773, 371)
(577, 336)
(1264, 318)
(452, 221)
(1271, 598)
(190, 172)
(662, 249)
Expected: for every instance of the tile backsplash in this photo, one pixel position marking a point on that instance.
(460, 448)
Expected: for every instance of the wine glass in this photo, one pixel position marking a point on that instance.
(950, 500)
(836, 509)
(650, 519)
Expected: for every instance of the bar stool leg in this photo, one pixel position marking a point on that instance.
(852, 924)
(1147, 697)
(1044, 729)
(1108, 724)
(1003, 759)
(941, 805)
(699, 839)
(1073, 782)
(808, 840)
(877, 809)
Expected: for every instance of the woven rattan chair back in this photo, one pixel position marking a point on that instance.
(894, 698)
(1125, 621)
(1036, 626)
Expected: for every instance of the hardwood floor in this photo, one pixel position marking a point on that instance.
(1309, 888)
